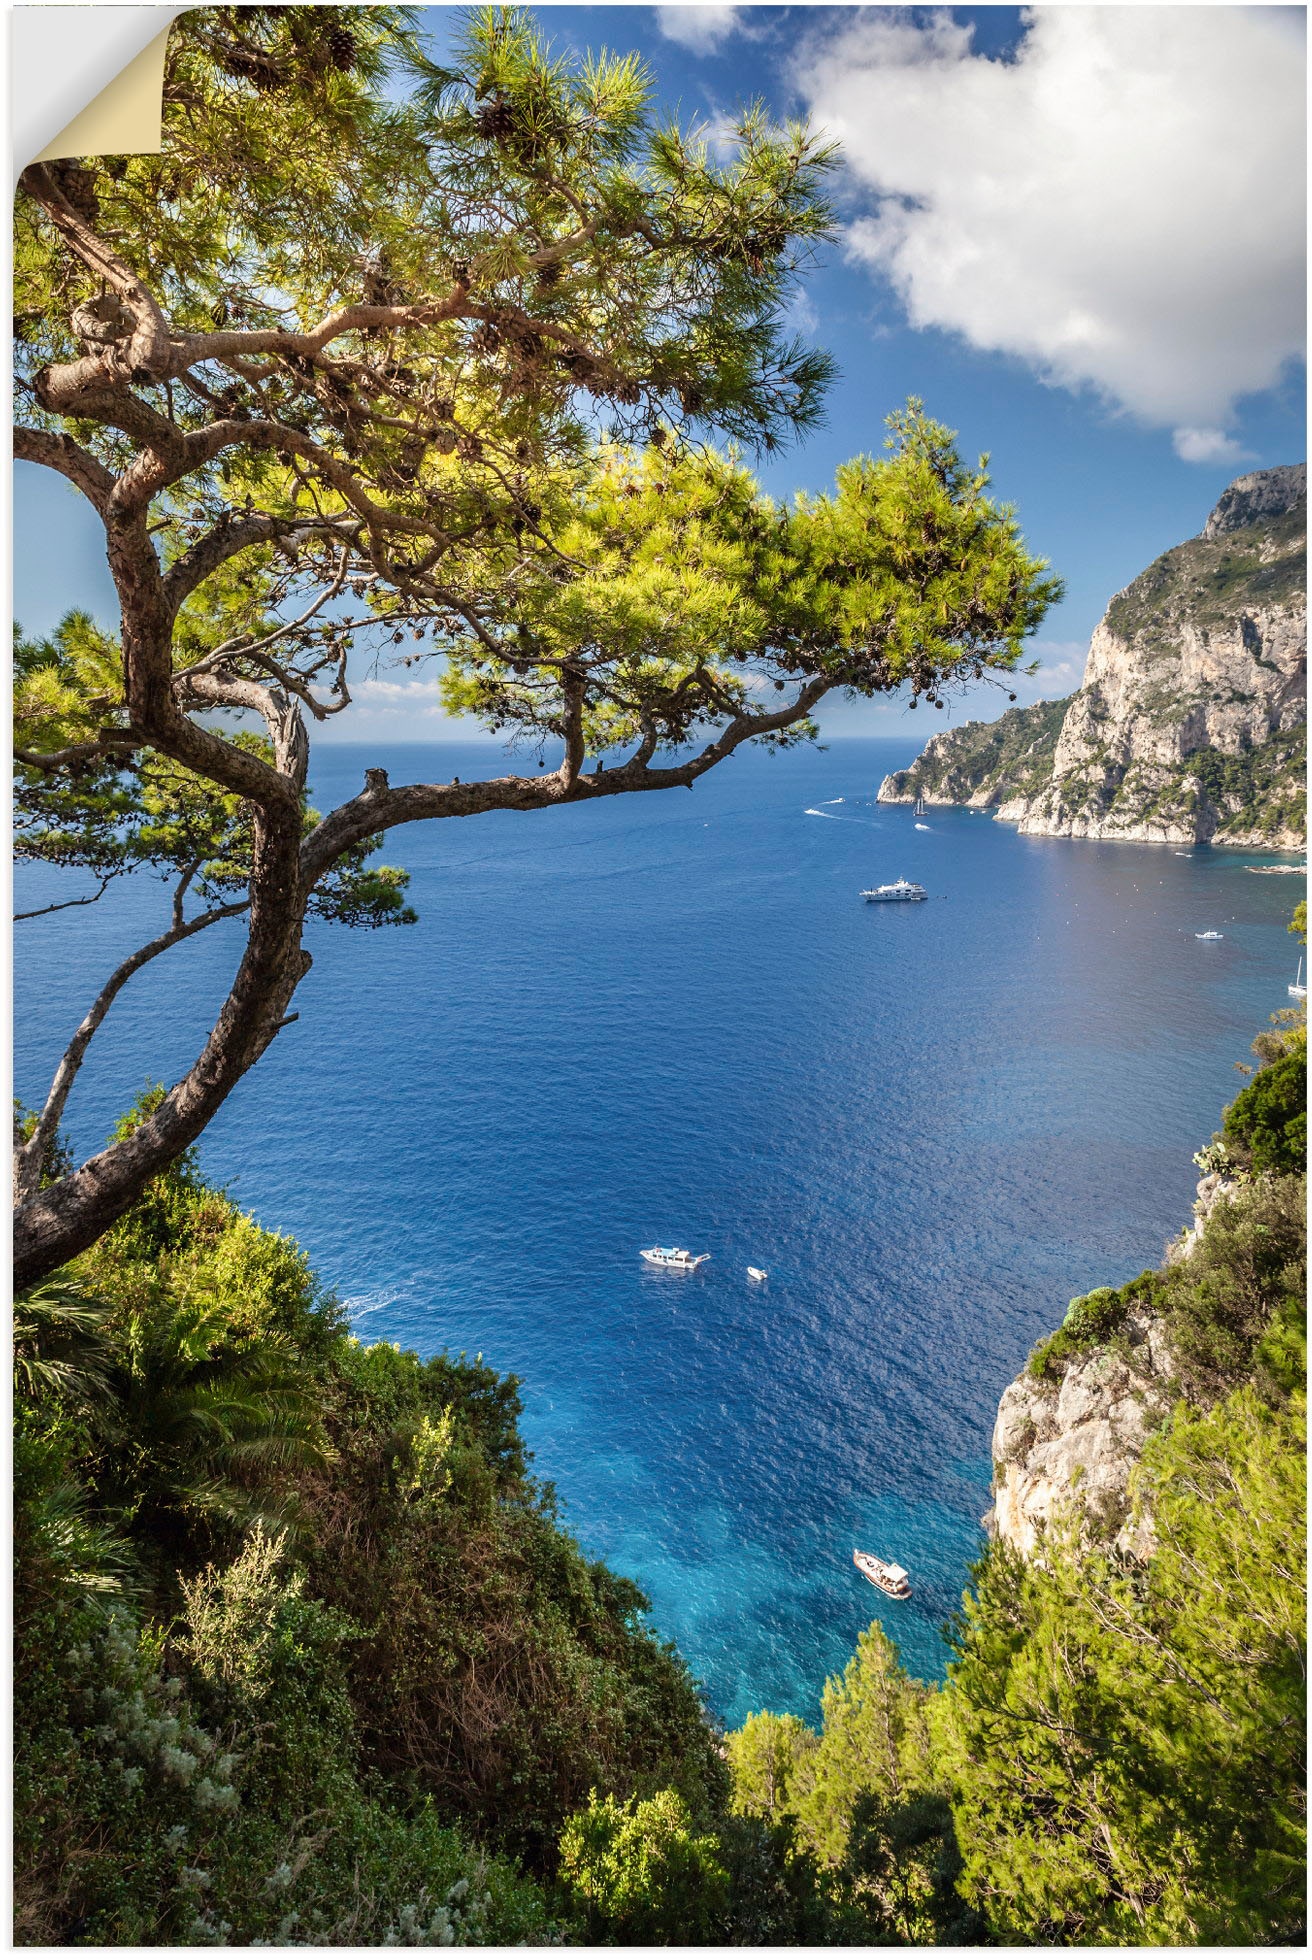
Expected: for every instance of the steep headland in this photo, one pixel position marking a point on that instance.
(1219, 1313)
(1191, 723)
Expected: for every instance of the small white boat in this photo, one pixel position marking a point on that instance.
(902, 890)
(1297, 987)
(675, 1258)
(889, 1578)
(1184, 854)
(922, 826)
(1209, 935)
(757, 1272)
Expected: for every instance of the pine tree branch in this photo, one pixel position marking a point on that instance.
(31, 1154)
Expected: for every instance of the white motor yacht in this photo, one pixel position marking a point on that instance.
(674, 1257)
(902, 890)
(889, 1578)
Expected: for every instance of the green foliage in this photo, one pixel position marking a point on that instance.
(641, 1872)
(1091, 1318)
(683, 587)
(901, 1872)
(872, 1744)
(1124, 1749)
(344, 1735)
(217, 1805)
(778, 1895)
(59, 1342)
(1235, 1308)
(768, 1761)
(499, 1670)
(1266, 1124)
(856, 1812)
(1089, 1322)
(427, 1661)
(1298, 924)
(130, 808)
(1263, 789)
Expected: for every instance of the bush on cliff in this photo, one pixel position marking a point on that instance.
(1266, 1124)
(1124, 1745)
(244, 1540)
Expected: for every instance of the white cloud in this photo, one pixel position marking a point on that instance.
(1060, 670)
(412, 697)
(1209, 446)
(1121, 205)
(702, 29)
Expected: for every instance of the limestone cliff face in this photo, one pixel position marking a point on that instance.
(1190, 726)
(1070, 1445)
(1066, 1444)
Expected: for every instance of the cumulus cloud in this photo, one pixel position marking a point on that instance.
(703, 29)
(414, 697)
(1209, 446)
(1121, 204)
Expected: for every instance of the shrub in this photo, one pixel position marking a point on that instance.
(1267, 1121)
(1091, 1318)
(642, 1873)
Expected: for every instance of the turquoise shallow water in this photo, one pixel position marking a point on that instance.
(671, 1018)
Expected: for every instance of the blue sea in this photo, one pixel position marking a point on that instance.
(671, 1019)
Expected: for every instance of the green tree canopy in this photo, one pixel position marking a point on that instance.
(643, 1873)
(766, 1758)
(382, 360)
(872, 1744)
(1125, 1748)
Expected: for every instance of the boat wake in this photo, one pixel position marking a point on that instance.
(832, 816)
(359, 1306)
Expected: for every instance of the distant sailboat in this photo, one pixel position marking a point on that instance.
(1297, 989)
(920, 806)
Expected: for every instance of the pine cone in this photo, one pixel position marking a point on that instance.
(495, 119)
(343, 50)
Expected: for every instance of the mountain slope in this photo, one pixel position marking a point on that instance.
(1191, 724)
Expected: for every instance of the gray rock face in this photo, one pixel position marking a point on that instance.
(1264, 494)
(1190, 727)
(1066, 1449)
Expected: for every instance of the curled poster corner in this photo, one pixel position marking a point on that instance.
(87, 81)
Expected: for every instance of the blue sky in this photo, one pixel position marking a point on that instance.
(1077, 233)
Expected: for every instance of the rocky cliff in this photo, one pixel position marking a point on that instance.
(1071, 1428)
(1191, 724)
(1067, 1445)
